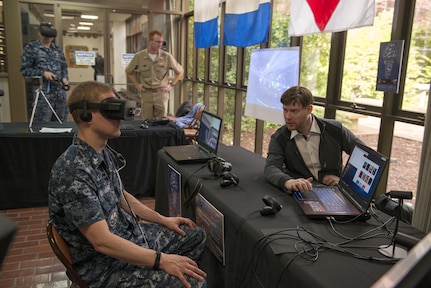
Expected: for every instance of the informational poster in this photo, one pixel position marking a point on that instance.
(71, 56)
(174, 191)
(126, 58)
(212, 221)
(85, 57)
(389, 66)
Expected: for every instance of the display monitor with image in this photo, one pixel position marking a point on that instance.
(272, 71)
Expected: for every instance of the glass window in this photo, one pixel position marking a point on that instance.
(215, 63)
(362, 54)
(359, 124)
(405, 158)
(418, 74)
(280, 24)
(248, 125)
(228, 116)
(200, 96)
(231, 56)
(201, 64)
(315, 63)
(213, 96)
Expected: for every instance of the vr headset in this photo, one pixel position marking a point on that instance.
(47, 30)
(111, 108)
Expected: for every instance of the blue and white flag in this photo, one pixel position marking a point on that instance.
(206, 23)
(246, 22)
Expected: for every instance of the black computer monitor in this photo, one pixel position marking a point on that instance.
(414, 271)
(7, 230)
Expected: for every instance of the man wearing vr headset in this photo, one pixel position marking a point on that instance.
(101, 222)
(44, 62)
(154, 84)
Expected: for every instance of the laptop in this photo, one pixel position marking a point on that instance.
(207, 142)
(351, 198)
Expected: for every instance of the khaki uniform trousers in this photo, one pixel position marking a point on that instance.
(154, 103)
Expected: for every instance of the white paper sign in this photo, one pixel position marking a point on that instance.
(85, 57)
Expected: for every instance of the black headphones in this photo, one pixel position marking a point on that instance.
(228, 178)
(111, 108)
(272, 207)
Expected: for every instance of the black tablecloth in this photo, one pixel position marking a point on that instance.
(252, 262)
(27, 157)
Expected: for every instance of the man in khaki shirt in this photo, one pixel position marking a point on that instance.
(153, 65)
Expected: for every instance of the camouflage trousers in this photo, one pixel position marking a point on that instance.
(167, 241)
(57, 99)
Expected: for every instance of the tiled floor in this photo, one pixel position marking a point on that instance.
(30, 261)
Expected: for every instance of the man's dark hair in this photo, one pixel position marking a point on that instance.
(297, 94)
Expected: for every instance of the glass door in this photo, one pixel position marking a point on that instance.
(84, 44)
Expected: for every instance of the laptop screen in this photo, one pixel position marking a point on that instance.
(362, 174)
(209, 131)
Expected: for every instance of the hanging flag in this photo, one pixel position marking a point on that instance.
(317, 16)
(246, 22)
(206, 23)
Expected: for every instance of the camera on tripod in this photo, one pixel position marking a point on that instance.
(36, 81)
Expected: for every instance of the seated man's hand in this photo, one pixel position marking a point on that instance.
(179, 266)
(300, 184)
(330, 180)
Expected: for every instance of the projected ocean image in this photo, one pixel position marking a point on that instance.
(272, 71)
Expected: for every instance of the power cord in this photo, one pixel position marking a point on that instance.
(187, 196)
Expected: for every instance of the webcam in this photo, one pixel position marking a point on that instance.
(272, 207)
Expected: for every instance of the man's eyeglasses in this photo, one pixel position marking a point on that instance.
(158, 42)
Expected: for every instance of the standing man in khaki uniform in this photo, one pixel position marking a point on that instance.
(153, 65)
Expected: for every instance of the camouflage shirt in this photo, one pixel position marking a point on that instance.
(84, 188)
(36, 59)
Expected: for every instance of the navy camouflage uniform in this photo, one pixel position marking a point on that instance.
(36, 59)
(84, 188)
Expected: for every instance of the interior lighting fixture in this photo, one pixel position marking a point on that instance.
(92, 17)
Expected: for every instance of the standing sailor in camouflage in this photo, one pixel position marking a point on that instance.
(44, 62)
(114, 239)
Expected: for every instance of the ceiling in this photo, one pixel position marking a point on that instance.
(71, 14)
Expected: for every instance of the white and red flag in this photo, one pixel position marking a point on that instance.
(318, 16)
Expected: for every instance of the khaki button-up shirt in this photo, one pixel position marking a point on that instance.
(153, 74)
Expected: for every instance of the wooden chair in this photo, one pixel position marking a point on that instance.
(61, 250)
(192, 131)
(191, 135)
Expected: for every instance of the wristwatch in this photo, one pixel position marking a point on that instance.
(171, 83)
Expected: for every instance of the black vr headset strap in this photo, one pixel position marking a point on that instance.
(46, 29)
(111, 108)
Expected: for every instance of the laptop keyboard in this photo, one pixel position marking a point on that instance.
(330, 200)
